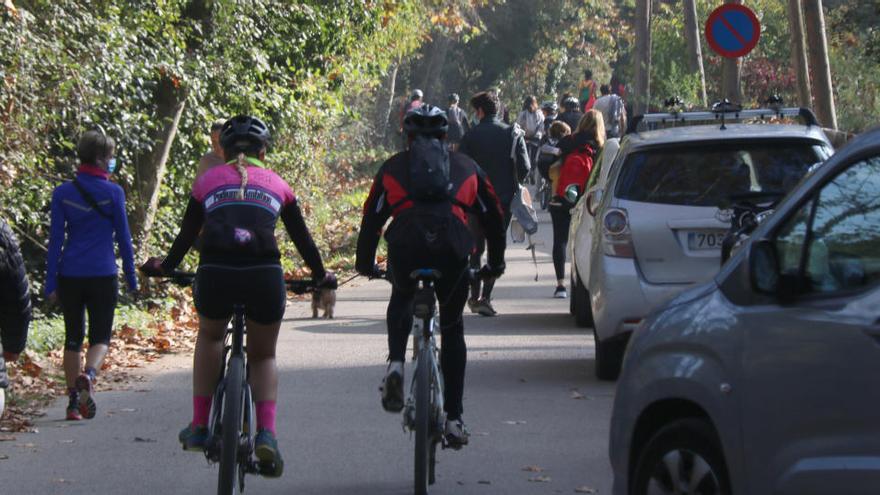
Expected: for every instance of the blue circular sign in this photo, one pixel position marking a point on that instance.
(733, 30)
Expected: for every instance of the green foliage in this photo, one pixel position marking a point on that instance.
(306, 67)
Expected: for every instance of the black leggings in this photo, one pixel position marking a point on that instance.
(561, 216)
(97, 295)
(452, 291)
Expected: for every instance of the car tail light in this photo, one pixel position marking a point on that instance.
(616, 236)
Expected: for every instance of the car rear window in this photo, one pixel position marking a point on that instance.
(708, 174)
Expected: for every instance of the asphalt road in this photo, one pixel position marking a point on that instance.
(531, 400)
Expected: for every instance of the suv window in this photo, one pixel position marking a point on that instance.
(841, 228)
(708, 174)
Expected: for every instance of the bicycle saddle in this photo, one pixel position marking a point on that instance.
(425, 274)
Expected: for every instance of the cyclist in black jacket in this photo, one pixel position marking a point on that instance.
(429, 235)
(15, 304)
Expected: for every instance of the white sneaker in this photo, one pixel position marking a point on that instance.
(456, 433)
(392, 387)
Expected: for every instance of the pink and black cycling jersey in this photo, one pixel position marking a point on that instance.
(239, 229)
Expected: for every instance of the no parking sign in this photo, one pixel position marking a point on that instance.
(732, 30)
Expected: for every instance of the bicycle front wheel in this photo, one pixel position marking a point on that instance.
(423, 412)
(232, 410)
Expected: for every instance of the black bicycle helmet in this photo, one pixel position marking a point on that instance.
(550, 105)
(244, 134)
(571, 103)
(427, 120)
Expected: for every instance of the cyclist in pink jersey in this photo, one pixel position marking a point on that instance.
(236, 207)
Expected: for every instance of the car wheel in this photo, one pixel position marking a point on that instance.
(609, 357)
(583, 312)
(683, 457)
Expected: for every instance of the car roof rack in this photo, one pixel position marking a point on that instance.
(721, 113)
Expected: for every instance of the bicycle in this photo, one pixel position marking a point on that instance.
(423, 412)
(232, 422)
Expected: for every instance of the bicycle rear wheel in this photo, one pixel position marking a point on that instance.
(232, 411)
(423, 419)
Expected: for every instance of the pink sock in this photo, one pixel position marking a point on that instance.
(266, 415)
(201, 410)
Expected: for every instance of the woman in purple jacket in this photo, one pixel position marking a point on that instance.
(87, 213)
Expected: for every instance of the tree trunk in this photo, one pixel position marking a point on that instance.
(430, 83)
(799, 53)
(731, 70)
(642, 57)
(385, 103)
(150, 166)
(823, 94)
(170, 100)
(694, 48)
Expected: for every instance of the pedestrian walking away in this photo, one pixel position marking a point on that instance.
(415, 101)
(15, 301)
(427, 191)
(574, 172)
(587, 91)
(570, 113)
(613, 112)
(489, 144)
(238, 206)
(87, 213)
(458, 122)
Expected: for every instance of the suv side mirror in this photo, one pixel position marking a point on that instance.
(764, 266)
(594, 197)
(765, 274)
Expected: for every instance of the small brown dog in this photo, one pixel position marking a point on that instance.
(323, 299)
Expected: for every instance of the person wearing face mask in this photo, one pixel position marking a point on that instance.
(87, 214)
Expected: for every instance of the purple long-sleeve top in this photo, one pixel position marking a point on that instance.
(80, 238)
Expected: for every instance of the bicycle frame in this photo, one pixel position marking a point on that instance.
(423, 333)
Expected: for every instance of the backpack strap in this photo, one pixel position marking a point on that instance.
(90, 200)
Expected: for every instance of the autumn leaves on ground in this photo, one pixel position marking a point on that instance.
(36, 380)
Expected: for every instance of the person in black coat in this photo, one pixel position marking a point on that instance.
(15, 303)
(503, 155)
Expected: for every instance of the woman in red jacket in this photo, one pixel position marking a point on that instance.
(587, 141)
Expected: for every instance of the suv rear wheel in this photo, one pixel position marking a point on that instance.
(609, 356)
(682, 457)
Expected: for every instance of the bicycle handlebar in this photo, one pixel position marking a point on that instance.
(185, 279)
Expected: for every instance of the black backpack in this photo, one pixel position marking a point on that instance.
(429, 227)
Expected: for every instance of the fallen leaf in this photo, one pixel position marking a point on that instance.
(484, 482)
(540, 479)
(145, 440)
(128, 409)
(65, 441)
(3, 457)
(585, 489)
(533, 469)
(7, 438)
(512, 422)
(577, 395)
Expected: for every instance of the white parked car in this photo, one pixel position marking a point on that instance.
(766, 379)
(651, 225)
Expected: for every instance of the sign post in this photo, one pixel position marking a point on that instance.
(732, 30)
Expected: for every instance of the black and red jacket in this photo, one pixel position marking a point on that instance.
(471, 193)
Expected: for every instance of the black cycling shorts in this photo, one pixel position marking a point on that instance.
(260, 288)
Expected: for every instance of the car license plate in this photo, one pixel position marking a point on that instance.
(705, 240)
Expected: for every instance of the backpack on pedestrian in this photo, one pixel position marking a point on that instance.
(429, 226)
